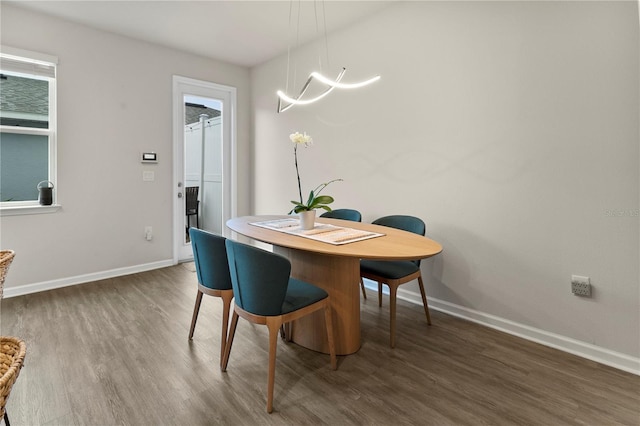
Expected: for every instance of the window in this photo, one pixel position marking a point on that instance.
(27, 127)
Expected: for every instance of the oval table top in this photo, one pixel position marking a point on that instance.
(395, 244)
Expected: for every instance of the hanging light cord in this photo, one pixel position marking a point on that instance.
(286, 87)
(332, 84)
(326, 42)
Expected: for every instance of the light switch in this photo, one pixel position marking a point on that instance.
(148, 176)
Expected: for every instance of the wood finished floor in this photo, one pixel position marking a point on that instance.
(115, 352)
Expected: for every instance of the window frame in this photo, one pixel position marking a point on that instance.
(9, 208)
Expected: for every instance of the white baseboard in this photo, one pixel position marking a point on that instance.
(566, 344)
(82, 279)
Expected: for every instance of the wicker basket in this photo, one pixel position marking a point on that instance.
(6, 257)
(12, 352)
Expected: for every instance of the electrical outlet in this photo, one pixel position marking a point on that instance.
(148, 233)
(580, 286)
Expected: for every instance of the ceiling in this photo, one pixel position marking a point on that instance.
(244, 33)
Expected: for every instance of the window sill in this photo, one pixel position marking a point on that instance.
(32, 209)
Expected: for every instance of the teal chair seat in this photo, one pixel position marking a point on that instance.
(389, 269)
(301, 294)
(265, 293)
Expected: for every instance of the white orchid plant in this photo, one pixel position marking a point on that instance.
(315, 200)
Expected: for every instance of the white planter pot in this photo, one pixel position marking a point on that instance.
(307, 219)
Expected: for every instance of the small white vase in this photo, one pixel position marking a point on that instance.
(307, 219)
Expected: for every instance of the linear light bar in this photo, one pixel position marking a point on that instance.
(293, 101)
(331, 83)
(339, 85)
(297, 101)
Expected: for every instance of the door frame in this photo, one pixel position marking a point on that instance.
(227, 95)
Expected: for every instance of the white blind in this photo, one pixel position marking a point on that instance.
(24, 62)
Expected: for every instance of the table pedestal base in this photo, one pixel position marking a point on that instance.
(340, 277)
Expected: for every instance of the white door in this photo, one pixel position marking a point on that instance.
(204, 157)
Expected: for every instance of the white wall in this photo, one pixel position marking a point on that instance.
(511, 128)
(114, 102)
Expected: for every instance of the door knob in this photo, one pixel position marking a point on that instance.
(179, 194)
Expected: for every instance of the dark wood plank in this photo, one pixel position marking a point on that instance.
(116, 352)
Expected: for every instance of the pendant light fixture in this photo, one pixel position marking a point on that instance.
(284, 100)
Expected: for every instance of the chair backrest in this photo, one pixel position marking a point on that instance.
(191, 196)
(210, 257)
(12, 351)
(259, 278)
(346, 214)
(406, 223)
(6, 257)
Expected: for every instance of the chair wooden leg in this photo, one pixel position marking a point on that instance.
(286, 331)
(196, 309)
(332, 346)
(364, 293)
(424, 300)
(6, 418)
(289, 331)
(226, 307)
(273, 342)
(379, 294)
(232, 332)
(393, 289)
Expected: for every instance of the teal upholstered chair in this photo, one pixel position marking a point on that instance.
(212, 269)
(266, 294)
(347, 214)
(396, 273)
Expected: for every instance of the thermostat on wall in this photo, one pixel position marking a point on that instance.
(149, 157)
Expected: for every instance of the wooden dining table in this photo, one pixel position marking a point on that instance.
(336, 269)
